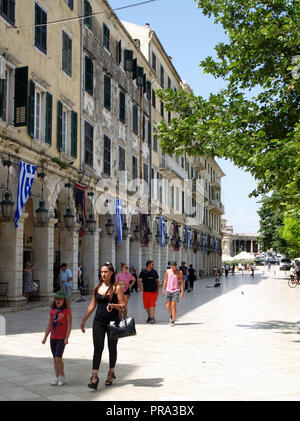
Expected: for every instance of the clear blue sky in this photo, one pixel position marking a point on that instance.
(189, 37)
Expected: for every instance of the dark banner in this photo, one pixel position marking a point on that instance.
(80, 206)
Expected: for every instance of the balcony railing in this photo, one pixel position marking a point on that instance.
(169, 166)
(217, 206)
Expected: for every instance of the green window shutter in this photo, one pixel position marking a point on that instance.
(140, 76)
(31, 109)
(59, 125)
(48, 130)
(128, 60)
(134, 69)
(107, 92)
(74, 134)
(21, 94)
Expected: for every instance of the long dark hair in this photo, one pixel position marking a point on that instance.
(109, 265)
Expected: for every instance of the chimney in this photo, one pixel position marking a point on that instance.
(147, 25)
(137, 43)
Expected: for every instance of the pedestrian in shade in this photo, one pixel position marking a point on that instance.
(192, 276)
(134, 274)
(171, 289)
(150, 280)
(109, 299)
(27, 280)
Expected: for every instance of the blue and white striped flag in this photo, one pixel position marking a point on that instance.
(162, 230)
(188, 231)
(119, 219)
(26, 179)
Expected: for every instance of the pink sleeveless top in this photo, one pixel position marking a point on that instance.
(173, 281)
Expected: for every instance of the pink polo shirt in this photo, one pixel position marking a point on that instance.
(124, 279)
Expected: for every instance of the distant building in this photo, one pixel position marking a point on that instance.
(234, 243)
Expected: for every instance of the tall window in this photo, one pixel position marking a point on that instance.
(135, 118)
(66, 54)
(87, 12)
(8, 10)
(162, 109)
(153, 61)
(40, 39)
(66, 130)
(155, 142)
(89, 75)
(162, 76)
(107, 155)
(153, 99)
(182, 198)
(122, 159)
(146, 177)
(70, 3)
(122, 110)
(134, 167)
(38, 115)
(88, 144)
(6, 95)
(169, 83)
(107, 92)
(106, 35)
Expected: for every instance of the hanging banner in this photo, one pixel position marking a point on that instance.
(144, 229)
(119, 219)
(215, 244)
(203, 243)
(195, 241)
(162, 230)
(188, 232)
(80, 206)
(26, 179)
(176, 236)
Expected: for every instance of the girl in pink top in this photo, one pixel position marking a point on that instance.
(126, 280)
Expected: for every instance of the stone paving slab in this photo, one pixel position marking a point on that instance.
(238, 342)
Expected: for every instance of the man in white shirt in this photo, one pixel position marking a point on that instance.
(66, 278)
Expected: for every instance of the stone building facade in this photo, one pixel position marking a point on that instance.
(235, 243)
(78, 101)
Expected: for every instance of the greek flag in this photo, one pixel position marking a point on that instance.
(26, 178)
(162, 229)
(188, 233)
(203, 243)
(119, 219)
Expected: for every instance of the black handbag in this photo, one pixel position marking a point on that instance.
(122, 328)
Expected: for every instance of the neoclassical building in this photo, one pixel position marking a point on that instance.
(78, 102)
(234, 243)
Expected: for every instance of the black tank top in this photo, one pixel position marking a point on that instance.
(101, 313)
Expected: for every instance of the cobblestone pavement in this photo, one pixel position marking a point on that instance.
(237, 342)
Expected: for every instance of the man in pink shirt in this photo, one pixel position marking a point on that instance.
(171, 289)
(126, 280)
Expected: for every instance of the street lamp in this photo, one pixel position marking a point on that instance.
(7, 203)
(109, 227)
(68, 217)
(158, 237)
(136, 233)
(91, 222)
(41, 211)
(167, 239)
(125, 230)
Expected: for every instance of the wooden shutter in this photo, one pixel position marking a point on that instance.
(134, 69)
(48, 129)
(140, 76)
(128, 60)
(21, 93)
(149, 133)
(59, 125)
(107, 92)
(31, 109)
(148, 89)
(74, 134)
(88, 12)
(89, 75)
(122, 114)
(119, 52)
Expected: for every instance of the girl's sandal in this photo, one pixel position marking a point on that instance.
(94, 380)
(109, 380)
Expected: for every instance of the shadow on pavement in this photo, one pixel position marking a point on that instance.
(284, 327)
(35, 320)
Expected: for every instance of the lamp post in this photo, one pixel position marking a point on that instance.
(7, 203)
(41, 211)
(136, 233)
(125, 230)
(167, 239)
(158, 237)
(68, 217)
(109, 227)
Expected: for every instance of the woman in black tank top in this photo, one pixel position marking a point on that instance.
(109, 299)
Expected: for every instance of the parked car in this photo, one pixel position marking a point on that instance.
(285, 264)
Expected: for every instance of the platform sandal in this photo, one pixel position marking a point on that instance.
(110, 377)
(94, 380)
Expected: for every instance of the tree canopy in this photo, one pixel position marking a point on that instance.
(255, 120)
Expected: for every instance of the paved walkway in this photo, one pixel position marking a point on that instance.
(236, 342)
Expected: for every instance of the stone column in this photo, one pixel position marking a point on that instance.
(107, 250)
(122, 253)
(251, 246)
(90, 259)
(136, 255)
(43, 257)
(69, 252)
(163, 261)
(157, 259)
(11, 262)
